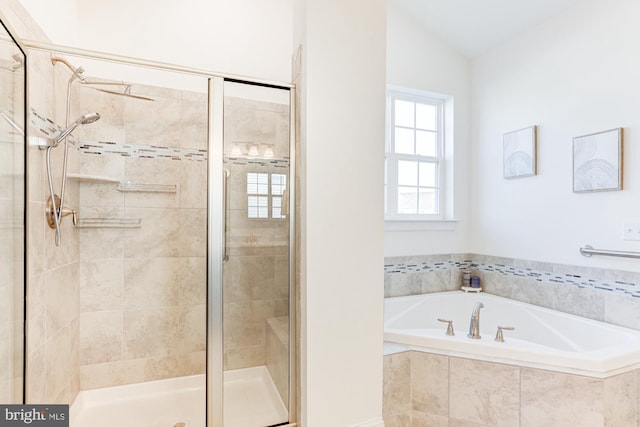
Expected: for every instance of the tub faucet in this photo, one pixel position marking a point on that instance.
(474, 325)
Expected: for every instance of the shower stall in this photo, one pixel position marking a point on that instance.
(160, 249)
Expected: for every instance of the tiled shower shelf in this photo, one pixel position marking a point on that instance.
(109, 222)
(147, 188)
(92, 178)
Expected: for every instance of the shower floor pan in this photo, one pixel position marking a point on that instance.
(251, 400)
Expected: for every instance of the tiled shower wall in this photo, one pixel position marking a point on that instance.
(606, 295)
(142, 289)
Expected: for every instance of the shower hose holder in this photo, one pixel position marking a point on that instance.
(62, 212)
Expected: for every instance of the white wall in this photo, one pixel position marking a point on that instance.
(243, 37)
(418, 60)
(342, 107)
(576, 74)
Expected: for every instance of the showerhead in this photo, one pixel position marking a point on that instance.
(82, 120)
(88, 118)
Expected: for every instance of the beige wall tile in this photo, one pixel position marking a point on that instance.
(159, 226)
(244, 357)
(150, 332)
(192, 329)
(59, 366)
(101, 284)
(36, 314)
(397, 384)
(430, 383)
(559, 400)
(192, 282)
(484, 392)
(193, 185)
(151, 282)
(36, 391)
(61, 298)
(193, 233)
(461, 423)
(101, 243)
(152, 171)
(112, 373)
(620, 397)
(100, 337)
(421, 419)
(398, 420)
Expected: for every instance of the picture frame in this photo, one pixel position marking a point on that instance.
(597, 161)
(519, 151)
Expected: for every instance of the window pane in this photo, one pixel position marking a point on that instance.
(428, 174)
(426, 143)
(426, 116)
(276, 208)
(404, 113)
(427, 200)
(404, 141)
(407, 173)
(277, 184)
(407, 200)
(258, 207)
(257, 183)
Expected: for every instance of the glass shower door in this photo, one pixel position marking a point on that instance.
(256, 285)
(12, 147)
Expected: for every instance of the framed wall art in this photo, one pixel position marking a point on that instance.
(597, 161)
(520, 152)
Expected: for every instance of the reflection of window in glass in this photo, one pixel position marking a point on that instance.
(414, 157)
(258, 195)
(278, 184)
(264, 194)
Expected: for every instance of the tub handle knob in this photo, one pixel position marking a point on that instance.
(449, 327)
(499, 335)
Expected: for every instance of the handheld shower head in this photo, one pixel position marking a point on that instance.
(82, 120)
(88, 118)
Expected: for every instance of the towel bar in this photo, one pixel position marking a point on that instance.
(588, 251)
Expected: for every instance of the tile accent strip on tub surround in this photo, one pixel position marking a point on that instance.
(622, 283)
(50, 129)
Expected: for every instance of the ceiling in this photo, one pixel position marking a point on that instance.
(474, 26)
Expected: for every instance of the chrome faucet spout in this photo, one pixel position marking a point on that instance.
(474, 324)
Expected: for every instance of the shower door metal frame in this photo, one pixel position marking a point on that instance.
(216, 247)
(215, 254)
(215, 220)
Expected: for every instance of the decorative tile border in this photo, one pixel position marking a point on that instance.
(270, 162)
(141, 151)
(45, 125)
(580, 281)
(49, 128)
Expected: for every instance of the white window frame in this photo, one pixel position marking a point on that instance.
(270, 196)
(392, 158)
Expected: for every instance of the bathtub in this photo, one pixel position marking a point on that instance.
(542, 338)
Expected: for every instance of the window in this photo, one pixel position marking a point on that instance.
(415, 157)
(264, 195)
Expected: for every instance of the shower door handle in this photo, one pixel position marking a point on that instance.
(225, 192)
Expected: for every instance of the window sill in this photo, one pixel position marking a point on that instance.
(421, 225)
